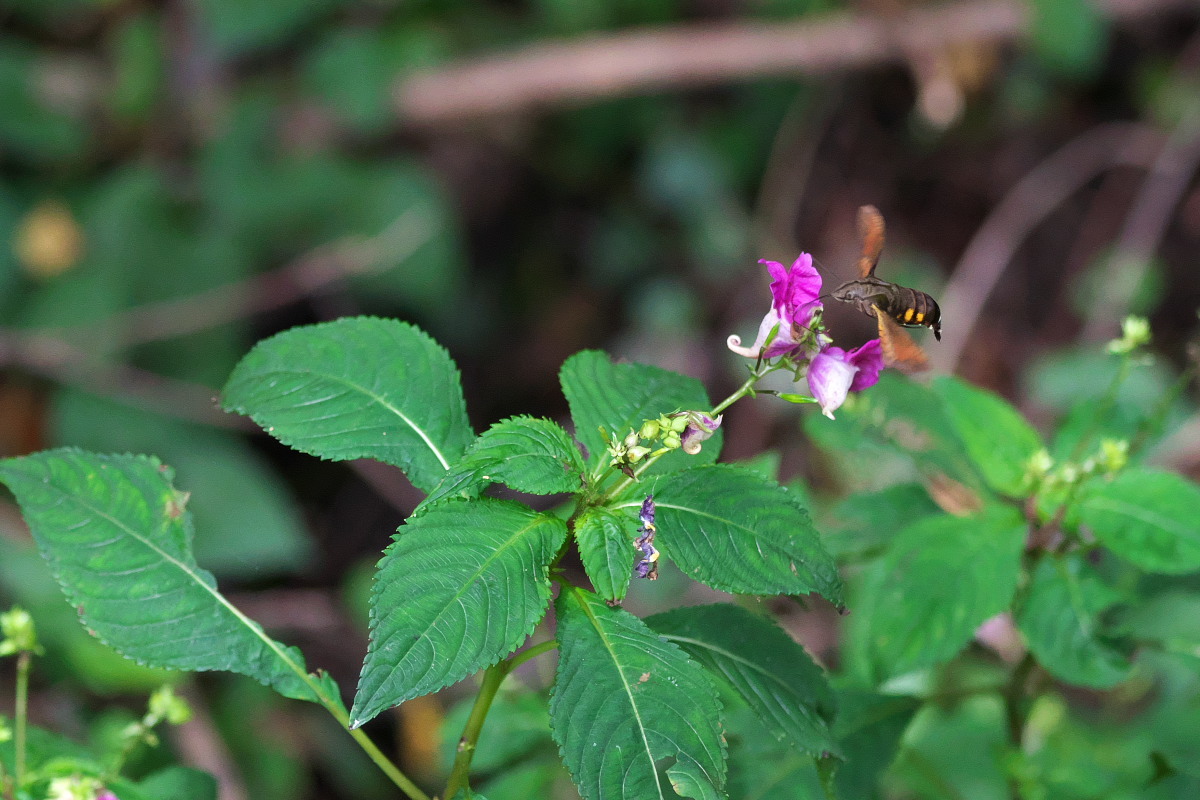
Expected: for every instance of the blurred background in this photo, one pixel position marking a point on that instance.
(524, 179)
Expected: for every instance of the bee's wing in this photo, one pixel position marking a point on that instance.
(899, 349)
(870, 230)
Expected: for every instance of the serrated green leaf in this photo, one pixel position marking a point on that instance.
(779, 681)
(606, 548)
(118, 539)
(531, 455)
(1148, 517)
(460, 587)
(525, 453)
(1059, 620)
(942, 577)
(732, 529)
(233, 490)
(624, 699)
(618, 397)
(997, 438)
(359, 387)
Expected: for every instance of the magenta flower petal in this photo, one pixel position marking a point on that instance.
(829, 378)
(869, 360)
(794, 301)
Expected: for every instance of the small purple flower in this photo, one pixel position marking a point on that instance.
(647, 565)
(834, 372)
(700, 429)
(794, 294)
(646, 515)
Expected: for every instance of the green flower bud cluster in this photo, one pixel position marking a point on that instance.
(654, 438)
(1047, 475)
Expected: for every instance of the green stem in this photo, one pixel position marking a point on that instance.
(758, 374)
(384, 763)
(1013, 697)
(492, 678)
(24, 663)
(6, 786)
(533, 652)
(373, 752)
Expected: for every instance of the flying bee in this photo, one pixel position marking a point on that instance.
(891, 305)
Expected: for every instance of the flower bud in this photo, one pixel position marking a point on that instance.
(700, 429)
(18, 632)
(636, 454)
(1135, 333)
(650, 429)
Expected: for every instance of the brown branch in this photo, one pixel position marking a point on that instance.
(51, 354)
(1036, 195)
(550, 74)
(271, 290)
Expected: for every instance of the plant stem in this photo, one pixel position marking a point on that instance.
(24, 663)
(492, 679)
(745, 389)
(385, 765)
(533, 652)
(1013, 693)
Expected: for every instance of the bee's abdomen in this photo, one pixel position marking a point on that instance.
(913, 308)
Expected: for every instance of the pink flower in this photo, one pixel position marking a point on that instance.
(700, 429)
(794, 294)
(834, 372)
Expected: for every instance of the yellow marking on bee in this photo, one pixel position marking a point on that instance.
(920, 317)
(908, 315)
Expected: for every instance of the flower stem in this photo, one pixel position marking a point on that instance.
(745, 388)
(24, 663)
(492, 678)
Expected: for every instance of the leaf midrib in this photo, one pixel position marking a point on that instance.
(255, 630)
(379, 399)
(611, 650)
